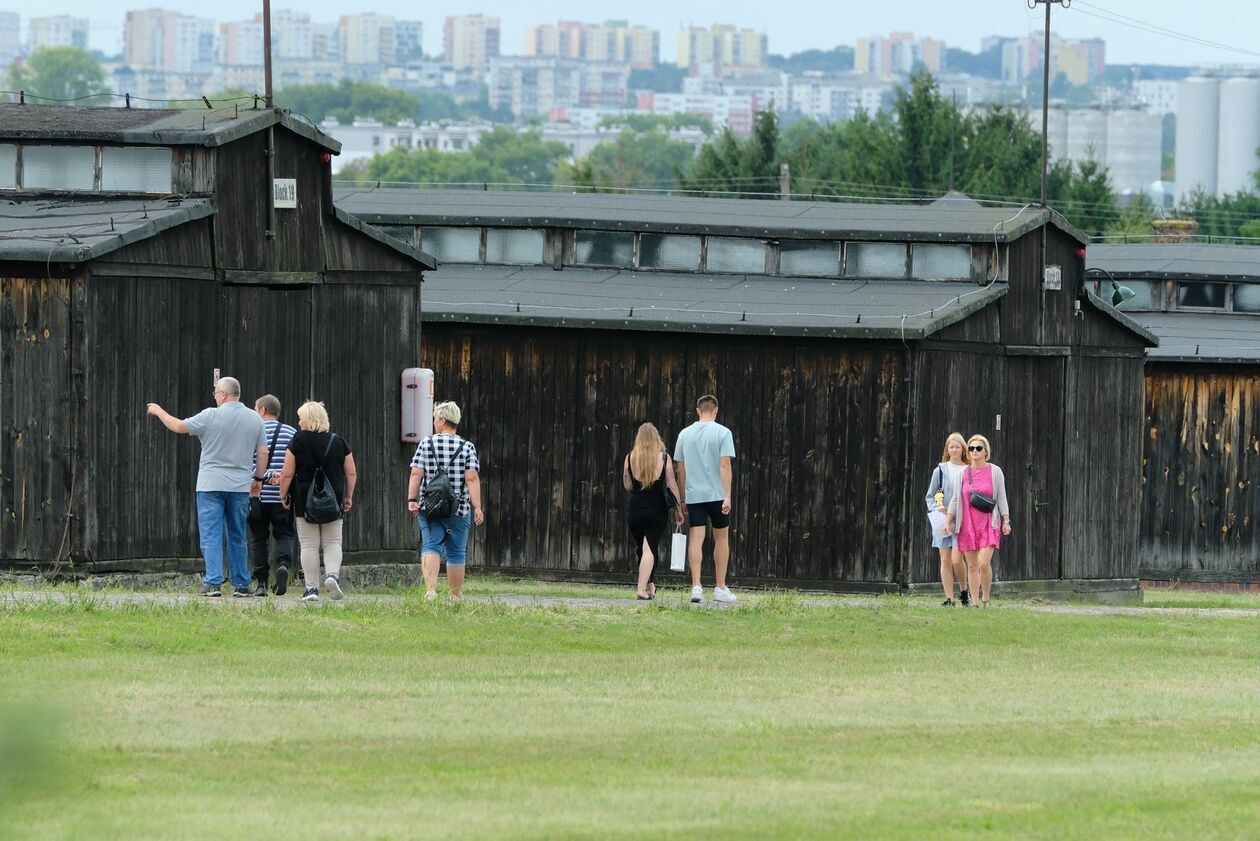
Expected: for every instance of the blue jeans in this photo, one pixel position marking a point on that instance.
(452, 545)
(215, 511)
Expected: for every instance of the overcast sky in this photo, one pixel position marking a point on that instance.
(792, 25)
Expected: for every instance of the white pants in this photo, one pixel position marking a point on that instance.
(313, 537)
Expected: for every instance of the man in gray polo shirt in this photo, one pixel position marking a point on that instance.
(232, 438)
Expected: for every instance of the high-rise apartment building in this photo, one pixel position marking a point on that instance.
(241, 43)
(408, 41)
(368, 39)
(1080, 62)
(898, 53)
(722, 47)
(470, 41)
(170, 42)
(10, 37)
(59, 31)
(614, 41)
(292, 35)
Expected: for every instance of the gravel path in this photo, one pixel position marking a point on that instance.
(15, 598)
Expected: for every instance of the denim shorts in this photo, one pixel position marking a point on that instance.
(454, 549)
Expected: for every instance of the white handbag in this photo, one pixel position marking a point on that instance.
(678, 552)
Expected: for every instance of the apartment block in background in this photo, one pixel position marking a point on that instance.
(898, 54)
(536, 85)
(614, 41)
(408, 41)
(470, 40)
(169, 42)
(241, 44)
(10, 37)
(59, 31)
(720, 48)
(368, 39)
(292, 35)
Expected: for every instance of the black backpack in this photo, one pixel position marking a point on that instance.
(438, 502)
(322, 505)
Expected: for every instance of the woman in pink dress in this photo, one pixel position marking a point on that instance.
(979, 532)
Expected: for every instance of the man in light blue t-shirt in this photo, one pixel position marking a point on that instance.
(703, 454)
(232, 437)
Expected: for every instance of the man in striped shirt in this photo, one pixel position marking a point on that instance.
(267, 517)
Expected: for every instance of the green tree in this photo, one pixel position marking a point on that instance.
(503, 156)
(635, 159)
(60, 73)
(1134, 218)
(348, 100)
(733, 165)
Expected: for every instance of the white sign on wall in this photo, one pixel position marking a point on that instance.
(284, 192)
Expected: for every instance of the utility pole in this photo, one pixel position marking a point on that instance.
(266, 16)
(1045, 92)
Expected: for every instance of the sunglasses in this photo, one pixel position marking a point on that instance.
(976, 449)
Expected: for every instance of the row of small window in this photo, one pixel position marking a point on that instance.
(1158, 296)
(682, 253)
(118, 169)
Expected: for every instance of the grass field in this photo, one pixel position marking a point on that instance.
(408, 720)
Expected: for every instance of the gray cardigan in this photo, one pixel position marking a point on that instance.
(941, 481)
(1002, 509)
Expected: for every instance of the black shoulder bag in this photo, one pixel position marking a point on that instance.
(671, 501)
(979, 501)
(322, 505)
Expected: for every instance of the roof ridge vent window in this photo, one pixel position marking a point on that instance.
(809, 258)
(135, 169)
(452, 245)
(940, 261)
(1247, 297)
(8, 166)
(735, 255)
(669, 252)
(58, 168)
(515, 246)
(875, 259)
(603, 248)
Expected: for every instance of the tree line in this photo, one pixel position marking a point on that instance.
(922, 147)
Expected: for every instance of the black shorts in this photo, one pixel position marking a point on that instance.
(702, 513)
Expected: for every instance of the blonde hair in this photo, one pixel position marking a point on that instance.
(953, 436)
(314, 415)
(645, 458)
(448, 412)
(988, 451)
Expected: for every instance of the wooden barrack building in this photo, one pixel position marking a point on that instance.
(843, 341)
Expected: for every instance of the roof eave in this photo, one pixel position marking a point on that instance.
(1122, 319)
(427, 261)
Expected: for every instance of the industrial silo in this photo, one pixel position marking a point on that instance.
(1087, 134)
(1134, 149)
(1198, 115)
(1239, 135)
(1057, 133)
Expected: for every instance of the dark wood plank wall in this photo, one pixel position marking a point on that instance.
(955, 391)
(161, 341)
(819, 430)
(1200, 470)
(36, 459)
(188, 245)
(149, 341)
(1103, 453)
(241, 192)
(362, 339)
(1030, 315)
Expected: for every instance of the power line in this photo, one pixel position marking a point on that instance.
(1145, 26)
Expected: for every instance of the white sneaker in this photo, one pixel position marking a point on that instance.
(333, 586)
(697, 595)
(723, 595)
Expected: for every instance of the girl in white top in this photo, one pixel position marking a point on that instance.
(944, 479)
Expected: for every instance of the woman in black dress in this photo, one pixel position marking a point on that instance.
(647, 473)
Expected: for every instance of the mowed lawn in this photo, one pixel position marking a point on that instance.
(409, 720)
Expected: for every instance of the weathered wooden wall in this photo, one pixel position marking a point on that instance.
(36, 462)
(1200, 470)
(819, 427)
(1067, 441)
(161, 341)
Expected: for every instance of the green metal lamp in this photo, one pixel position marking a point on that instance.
(1120, 294)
